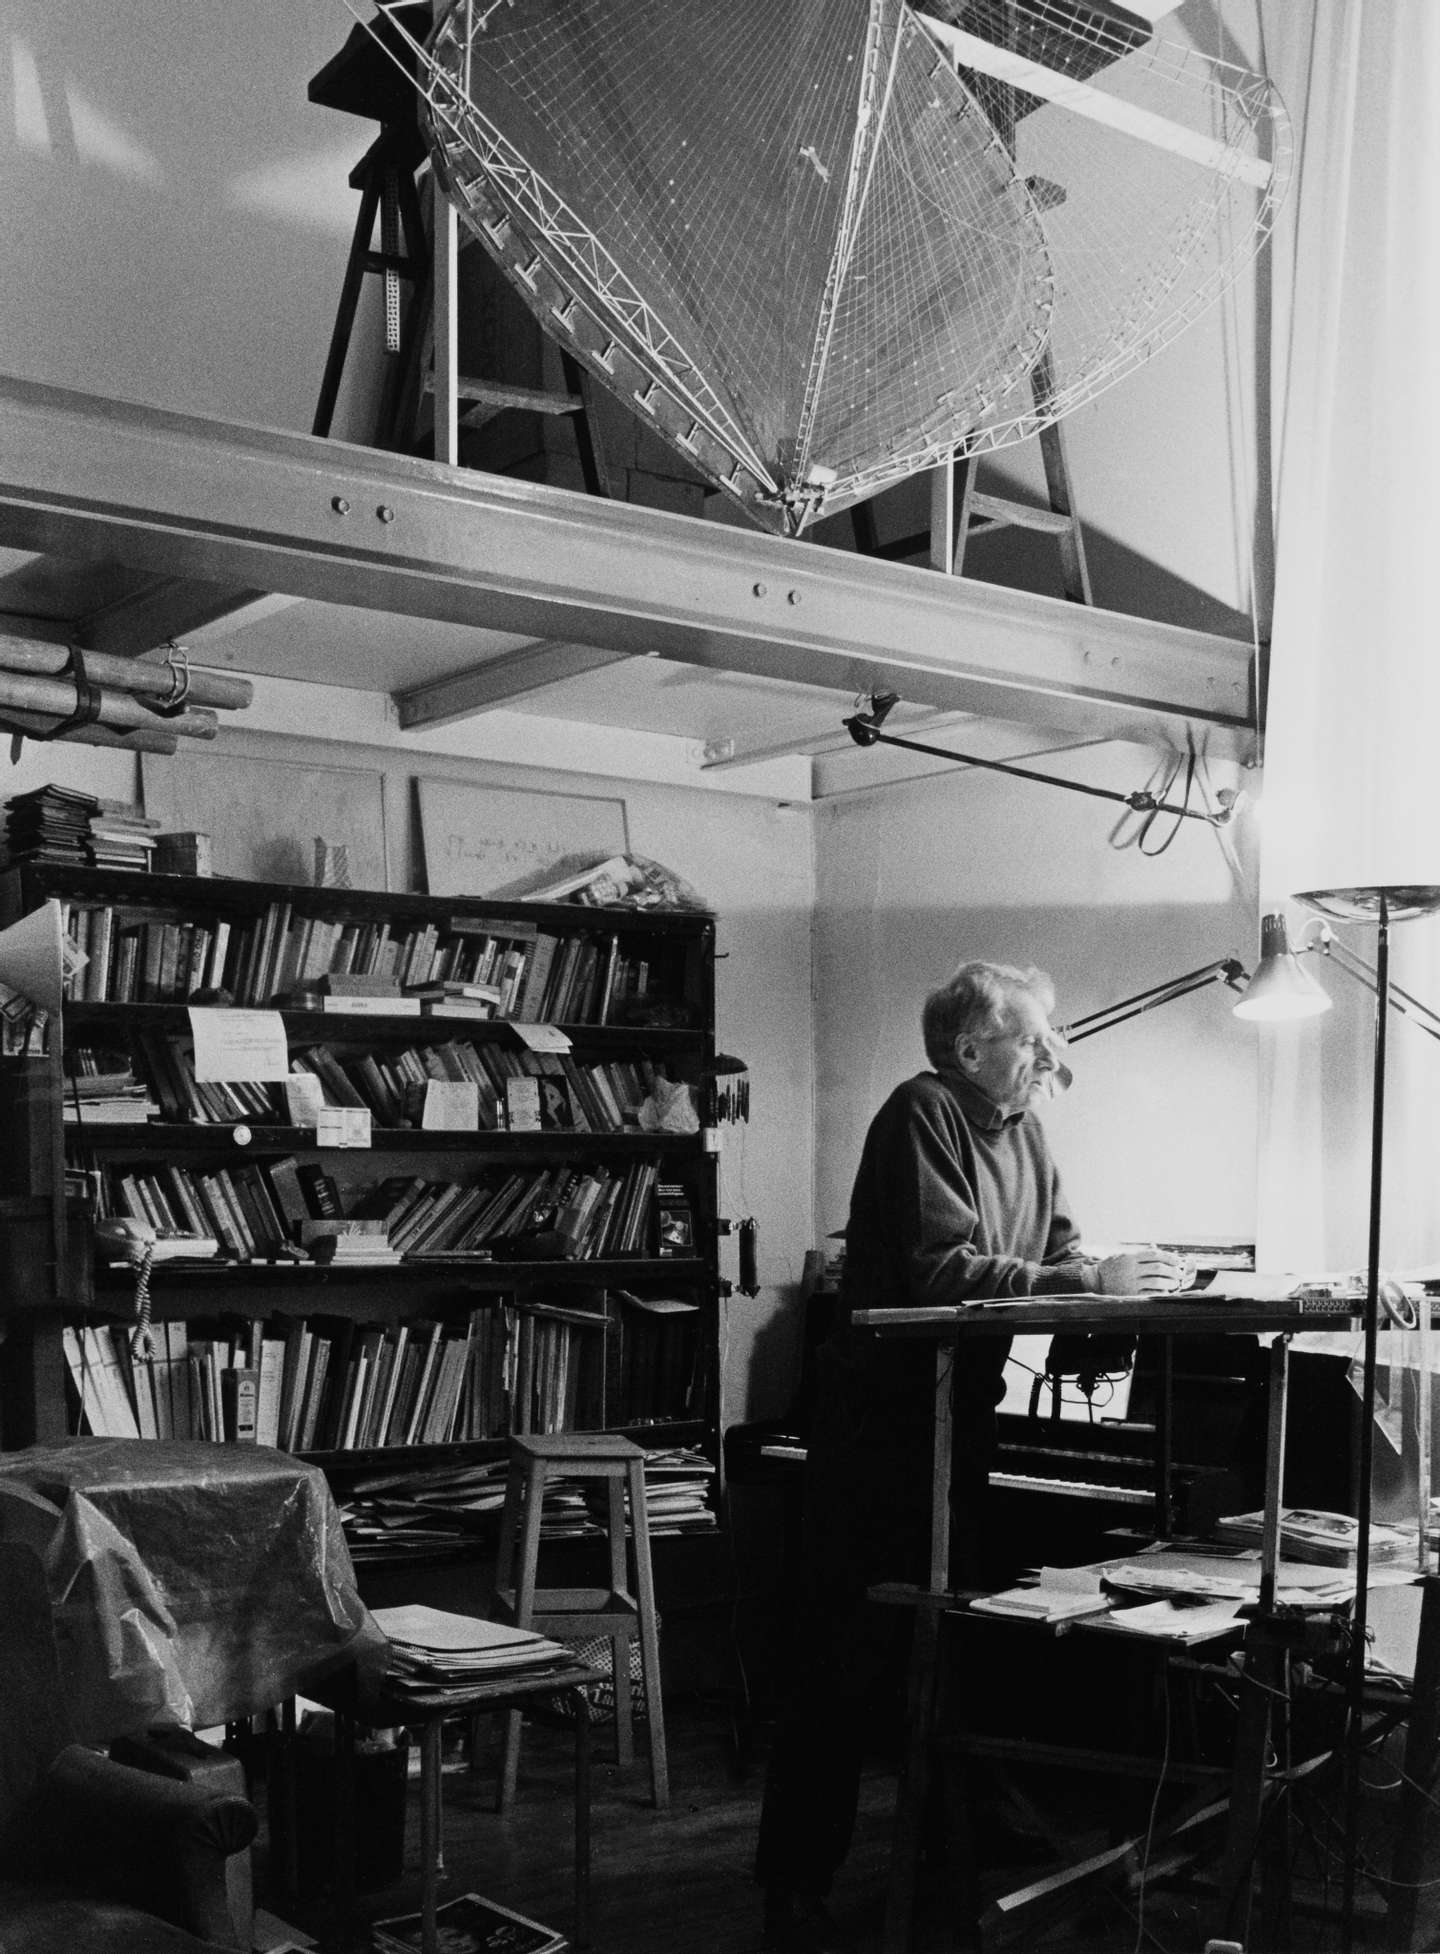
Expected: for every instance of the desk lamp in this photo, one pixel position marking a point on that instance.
(1085, 1357)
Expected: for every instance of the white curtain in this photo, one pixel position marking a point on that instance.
(1353, 735)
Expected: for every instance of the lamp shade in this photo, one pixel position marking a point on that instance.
(1280, 988)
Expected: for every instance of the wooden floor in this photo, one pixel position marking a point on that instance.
(680, 1882)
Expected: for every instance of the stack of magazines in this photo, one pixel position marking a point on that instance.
(50, 824)
(1326, 1539)
(432, 1651)
(468, 1924)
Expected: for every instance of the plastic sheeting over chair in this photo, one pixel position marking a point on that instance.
(190, 1583)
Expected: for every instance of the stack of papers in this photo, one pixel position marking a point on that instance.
(1235, 1576)
(1057, 1595)
(469, 1925)
(432, 1650)
(1328, 1539)
(1174, 1621)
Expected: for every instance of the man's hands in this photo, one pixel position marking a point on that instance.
(1140, 1272)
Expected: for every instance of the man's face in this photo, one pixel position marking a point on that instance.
(1015, 1067)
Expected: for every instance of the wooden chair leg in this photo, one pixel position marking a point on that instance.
(530, 1499)
(649, 1636)
(620, 1639)
(509, 1762)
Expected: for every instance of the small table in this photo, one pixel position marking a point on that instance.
(380, 1705)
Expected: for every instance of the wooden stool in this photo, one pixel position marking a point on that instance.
(618, 1612)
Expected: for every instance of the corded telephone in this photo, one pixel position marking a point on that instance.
(120, 1235)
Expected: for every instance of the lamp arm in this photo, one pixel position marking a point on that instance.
(1423, 1015)
(864, 729)
(1224, 970)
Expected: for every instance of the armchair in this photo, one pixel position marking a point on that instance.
(96, 1857)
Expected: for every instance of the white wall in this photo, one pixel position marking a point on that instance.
(1156, 1138)
(177, 214)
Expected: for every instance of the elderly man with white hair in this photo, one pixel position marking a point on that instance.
(956, 1200)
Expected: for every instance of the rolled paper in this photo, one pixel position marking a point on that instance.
(56, 696)
(136, 675)
(144, 739)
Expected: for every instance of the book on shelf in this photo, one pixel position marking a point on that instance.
(468, 1924)
(383, 1004)
(356, 983)
(93, 1362)
(239, 1403)
(674, 1220)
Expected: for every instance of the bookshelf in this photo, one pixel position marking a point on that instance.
(495, 1254)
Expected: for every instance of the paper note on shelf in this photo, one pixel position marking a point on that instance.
(304, 1098)
(239, 1044)
(451, 1105)
(342, 1126)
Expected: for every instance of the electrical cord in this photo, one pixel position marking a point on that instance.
(142, 1340)
(1149, 1845)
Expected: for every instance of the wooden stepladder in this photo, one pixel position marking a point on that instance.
(959, 510)
(385, 178)
(462, 400)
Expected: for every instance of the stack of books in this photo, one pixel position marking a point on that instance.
(102, 1090)
(49, 824)
(468, 1925)
(359, 994)
(122, 837)
(678, 1484)
(451, 999)
(356, 1244)
(57, 824)
(427, 1509)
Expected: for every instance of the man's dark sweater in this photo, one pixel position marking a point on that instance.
(954, 1200)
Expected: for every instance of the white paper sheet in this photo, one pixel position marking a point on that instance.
(239, 1044)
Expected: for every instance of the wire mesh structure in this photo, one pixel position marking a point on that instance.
(821, 245)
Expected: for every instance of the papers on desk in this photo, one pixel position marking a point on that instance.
(1169, 1620)
(1058, 1594)
(431, 1649)
(1235, 1576)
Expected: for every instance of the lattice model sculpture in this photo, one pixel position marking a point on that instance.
(823, 244)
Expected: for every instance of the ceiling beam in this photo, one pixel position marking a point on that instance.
(510, 675)
(246, 509)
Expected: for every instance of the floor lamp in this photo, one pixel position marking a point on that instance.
(1382, 905)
